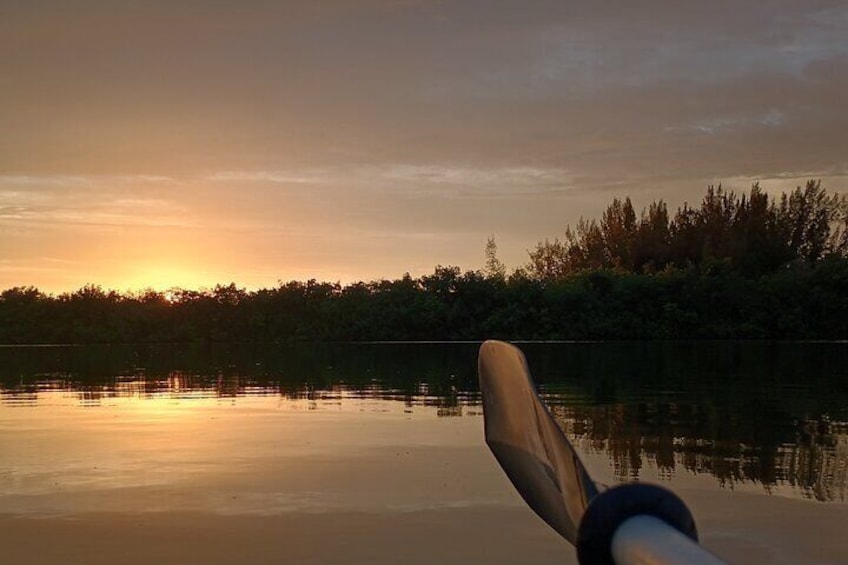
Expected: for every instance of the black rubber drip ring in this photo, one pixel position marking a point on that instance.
(612, 507)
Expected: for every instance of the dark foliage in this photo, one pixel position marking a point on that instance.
(738, 267)
(752, 234)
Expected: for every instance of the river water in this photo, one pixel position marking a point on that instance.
(370, 452)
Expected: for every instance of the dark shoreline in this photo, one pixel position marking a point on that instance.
(802, 303)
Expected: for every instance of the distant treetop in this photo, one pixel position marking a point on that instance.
(751, 234)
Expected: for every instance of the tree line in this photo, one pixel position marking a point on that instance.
(738, 266)
(751, 234)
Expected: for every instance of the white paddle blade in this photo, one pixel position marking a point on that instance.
(528, 443)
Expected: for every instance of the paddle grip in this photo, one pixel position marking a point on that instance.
(612, 507)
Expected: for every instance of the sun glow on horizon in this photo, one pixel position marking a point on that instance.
(164, 278)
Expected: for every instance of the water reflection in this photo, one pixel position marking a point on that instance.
(323, 376)
(773, 414)
(812, 460)
(178, 386)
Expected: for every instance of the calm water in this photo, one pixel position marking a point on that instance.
(764, 417)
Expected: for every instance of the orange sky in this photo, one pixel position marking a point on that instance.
(191, 143)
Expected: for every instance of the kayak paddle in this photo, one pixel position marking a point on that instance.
(626, 524)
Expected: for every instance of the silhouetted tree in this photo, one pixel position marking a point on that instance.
(618, 229)
(494, 267)
(748, 234)
(551, 260)
(651, 248)
(806, 216)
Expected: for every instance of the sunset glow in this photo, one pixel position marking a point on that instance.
(191, 145)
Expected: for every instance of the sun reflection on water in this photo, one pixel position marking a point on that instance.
(792, 441)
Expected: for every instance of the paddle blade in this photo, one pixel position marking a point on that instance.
(528, 443)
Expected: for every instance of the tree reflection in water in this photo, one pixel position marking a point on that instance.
(812, 458)
(774, 414)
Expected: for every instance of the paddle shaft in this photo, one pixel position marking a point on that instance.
(646, 540)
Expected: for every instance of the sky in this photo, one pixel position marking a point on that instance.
(189, 143)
